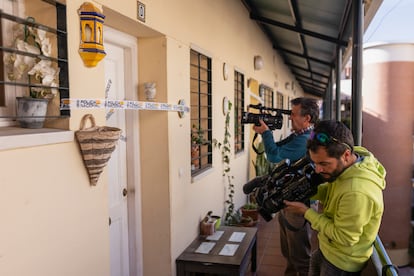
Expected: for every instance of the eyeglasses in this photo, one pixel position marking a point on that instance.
(326, 139)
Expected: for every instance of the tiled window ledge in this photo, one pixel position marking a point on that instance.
(15, 137)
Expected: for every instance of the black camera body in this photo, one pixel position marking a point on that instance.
(292, 182)
(271, 116)
(273, 122)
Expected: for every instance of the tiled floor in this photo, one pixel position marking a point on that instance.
(270, 261)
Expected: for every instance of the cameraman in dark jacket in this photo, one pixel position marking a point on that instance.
(294, 231)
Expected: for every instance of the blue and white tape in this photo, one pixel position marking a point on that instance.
(67, 104)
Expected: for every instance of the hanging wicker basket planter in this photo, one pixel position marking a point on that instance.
(96, 145)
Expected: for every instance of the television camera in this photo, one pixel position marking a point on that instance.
(296, 181)
(271, 116)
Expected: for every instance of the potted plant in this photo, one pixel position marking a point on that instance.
(250, 210)
(32, 66)
(246, 222)
(197, 140)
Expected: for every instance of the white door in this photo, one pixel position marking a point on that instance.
(124, 211)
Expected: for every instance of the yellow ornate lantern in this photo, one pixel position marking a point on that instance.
(91, 48)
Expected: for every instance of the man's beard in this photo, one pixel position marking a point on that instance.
(330, 177)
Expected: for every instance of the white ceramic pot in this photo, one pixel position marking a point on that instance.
(31, 112)
(150, 90)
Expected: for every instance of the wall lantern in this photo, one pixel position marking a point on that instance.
(258, 62)
(91, 48)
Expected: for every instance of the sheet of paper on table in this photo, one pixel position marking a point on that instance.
(229, 249)
(205, 247)
(216, 236)
(237, 236)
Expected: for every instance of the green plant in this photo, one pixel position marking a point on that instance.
(262, 165)
(250, 206)
(232, 216)
(250, 210)
(197, 136)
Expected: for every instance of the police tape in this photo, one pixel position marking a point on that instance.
(67, 104)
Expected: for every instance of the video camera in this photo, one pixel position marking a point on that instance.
(292, 182)
(271, 116)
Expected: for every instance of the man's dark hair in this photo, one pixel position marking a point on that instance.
(308, 106)
(333, 135)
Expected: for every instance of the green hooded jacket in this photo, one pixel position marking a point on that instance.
(352, 211)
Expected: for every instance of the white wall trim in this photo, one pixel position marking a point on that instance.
(15, 137)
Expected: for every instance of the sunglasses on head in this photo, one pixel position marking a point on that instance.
(326, 139)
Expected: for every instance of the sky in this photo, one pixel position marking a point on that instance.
(393, 22)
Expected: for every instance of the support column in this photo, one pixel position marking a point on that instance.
(327, 102)
(358, 29)
(338, 83)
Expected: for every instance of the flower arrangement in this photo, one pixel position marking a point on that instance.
(41, 72)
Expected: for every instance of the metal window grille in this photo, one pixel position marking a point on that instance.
(268, 96)
(201, 119)
(238, 109)
(58, 35)
(279, 100)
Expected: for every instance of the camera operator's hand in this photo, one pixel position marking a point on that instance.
(295, 207)
(262, 128)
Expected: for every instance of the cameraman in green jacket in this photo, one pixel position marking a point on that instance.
(352, 200)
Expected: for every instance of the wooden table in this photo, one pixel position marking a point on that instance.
(215, 263)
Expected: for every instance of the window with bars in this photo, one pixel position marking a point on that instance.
(268, 95)
(238, 109)
(279, 100)
(201, 119)
(33, 43)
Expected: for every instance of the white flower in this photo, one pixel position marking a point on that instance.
(44, 42)
(41, 35)
(46, 47)
(33, 41)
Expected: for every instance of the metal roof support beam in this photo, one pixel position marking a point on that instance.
(297, 75)
(298, 23)
(310, 78)
(302, 56)
(313, 90)
(313, 83)
(264, 20)
(338, 83)
(357, 67)
(305, 69)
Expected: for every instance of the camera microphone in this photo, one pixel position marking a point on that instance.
(293, 181)
(254, 183)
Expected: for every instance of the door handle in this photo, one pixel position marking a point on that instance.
(124, 192)
(110, 221)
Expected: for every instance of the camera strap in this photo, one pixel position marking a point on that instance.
(286, 140)
(280, 143)
(254, 147)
